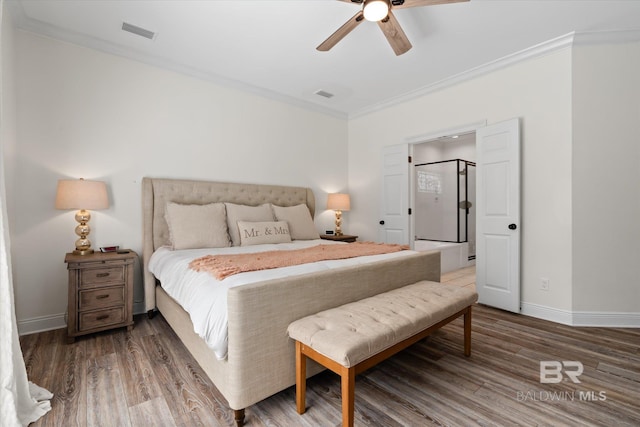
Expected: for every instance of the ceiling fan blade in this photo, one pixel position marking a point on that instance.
(416, 3)
(341, 32)
(394, 34)
(352, 1)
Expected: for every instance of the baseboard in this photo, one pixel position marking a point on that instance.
(41, 324)
(606, 320)
(565, 317)
(57, 321)
(546, 313)
(582, 318)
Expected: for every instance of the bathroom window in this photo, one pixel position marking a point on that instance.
(429, 182)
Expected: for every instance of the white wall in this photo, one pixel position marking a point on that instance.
(539, 92)
(8, 99)
(606, 179)
(83, 113)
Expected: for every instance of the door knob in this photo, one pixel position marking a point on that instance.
(382, 222)
(512, 226)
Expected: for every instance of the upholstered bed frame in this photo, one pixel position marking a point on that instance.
(260, 360)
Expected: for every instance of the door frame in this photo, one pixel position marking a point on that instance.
(427, 137)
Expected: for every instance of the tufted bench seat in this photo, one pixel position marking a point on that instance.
(354, 337)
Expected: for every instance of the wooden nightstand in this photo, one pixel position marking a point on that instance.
(343, 238)
(100, 292)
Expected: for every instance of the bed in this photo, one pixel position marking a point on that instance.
(259, 313)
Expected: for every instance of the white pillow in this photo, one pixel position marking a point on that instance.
(237, 213)
(197, 226)
(258, 233)
(298, 217)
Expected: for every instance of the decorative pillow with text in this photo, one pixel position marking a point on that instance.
(258, 233)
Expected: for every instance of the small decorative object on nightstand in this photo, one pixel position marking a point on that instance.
(100, 292)
(340, 238)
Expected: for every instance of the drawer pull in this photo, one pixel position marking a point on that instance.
(102, 296)
(104, 316)
(102, 275)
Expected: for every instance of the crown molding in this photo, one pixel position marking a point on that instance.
(566, 41)
(504, 62)
(43, 29)
(545, 48)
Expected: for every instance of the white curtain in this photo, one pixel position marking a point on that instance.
(21, 402)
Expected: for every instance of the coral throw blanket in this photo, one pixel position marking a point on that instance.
(221, 266)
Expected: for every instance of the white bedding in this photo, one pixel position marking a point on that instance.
(205, 298)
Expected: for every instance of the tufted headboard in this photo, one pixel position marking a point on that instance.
(156, 192)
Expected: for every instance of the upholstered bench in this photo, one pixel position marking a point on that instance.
(354, 337)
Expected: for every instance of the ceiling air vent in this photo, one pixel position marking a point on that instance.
(324, 93)
(138, 31)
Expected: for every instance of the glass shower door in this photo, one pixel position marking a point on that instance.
(445, 201)
(436, 201)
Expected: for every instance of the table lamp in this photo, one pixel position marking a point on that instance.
(82, 194)
(338, 202)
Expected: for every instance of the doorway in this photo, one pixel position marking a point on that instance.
(497, 155)
(443, 195)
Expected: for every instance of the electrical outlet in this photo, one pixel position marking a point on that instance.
(544, 283)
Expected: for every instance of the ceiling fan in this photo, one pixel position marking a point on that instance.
(380, 11)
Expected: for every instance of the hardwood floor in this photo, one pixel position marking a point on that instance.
(147, 378)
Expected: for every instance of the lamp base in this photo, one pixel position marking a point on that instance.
(83, 252)
(83, 244)
(338, 229)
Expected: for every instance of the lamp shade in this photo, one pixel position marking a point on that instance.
(81, 194)
(338, 202)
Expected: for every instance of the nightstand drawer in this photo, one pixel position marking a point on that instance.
(100, 318)
(95, 276)
(99, 298)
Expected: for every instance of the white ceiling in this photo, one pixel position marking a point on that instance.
(268, 47)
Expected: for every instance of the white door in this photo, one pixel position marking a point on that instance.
(498, 215)
(394, 209)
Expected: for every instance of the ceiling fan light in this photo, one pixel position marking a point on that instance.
(376, 10)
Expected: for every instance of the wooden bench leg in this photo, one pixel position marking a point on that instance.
(301, 378)
(467, 332)
(348, 382)
(238, 415)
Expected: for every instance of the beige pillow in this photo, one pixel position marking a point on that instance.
(197, 226)
(237, 213)
(298, 217)
(258, 233)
